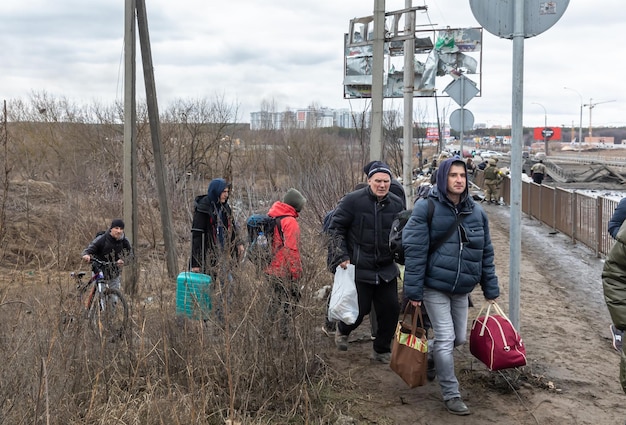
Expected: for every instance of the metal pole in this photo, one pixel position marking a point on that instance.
(462, 135)
(378, 46)
(130, 144)
(409, 81)
(440, 131)
(545, 125)
(516, 163)
(580, 124)
(591, 105)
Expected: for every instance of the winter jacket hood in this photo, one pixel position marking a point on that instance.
(442, 176)
(286, 262)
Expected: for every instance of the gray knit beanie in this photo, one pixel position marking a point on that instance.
(295, 199)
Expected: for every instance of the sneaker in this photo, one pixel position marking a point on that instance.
(457, 407)
(617, 338)
(431, 372)
(384, 358)
(341, 341)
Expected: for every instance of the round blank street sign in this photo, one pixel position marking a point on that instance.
(455, 120)
(497, 16)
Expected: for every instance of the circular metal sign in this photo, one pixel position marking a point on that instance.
(497, 16)
(463, 115)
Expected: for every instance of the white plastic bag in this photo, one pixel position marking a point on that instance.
(344, 301)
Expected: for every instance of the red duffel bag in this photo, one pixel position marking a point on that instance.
(494, 341)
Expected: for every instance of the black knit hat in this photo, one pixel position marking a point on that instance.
(295, 199)
(378, 167)
(117, 223)
(366, 167)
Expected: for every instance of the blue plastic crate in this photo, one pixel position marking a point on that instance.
(193, 295)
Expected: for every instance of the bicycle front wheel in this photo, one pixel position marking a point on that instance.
(113, 314)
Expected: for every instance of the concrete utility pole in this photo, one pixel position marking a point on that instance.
(378, 50)
(409, 82)
(155, 130)
(130, 145)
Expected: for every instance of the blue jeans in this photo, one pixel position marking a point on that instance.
(448, 317)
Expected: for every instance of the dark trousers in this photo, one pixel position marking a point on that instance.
(384, 297)
(283, 306)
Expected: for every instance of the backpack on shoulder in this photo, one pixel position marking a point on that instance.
(260, 238)
(395, 235)
(326, 221)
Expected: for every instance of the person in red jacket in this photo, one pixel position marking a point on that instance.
(285, 269)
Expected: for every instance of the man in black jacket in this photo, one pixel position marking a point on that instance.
(113, 248)
(360, 225)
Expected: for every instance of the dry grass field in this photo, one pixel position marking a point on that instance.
(247, 363)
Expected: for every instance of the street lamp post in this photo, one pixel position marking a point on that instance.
(545, 126)
(580, 126)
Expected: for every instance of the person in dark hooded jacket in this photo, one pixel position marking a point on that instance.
(443, 279)
(214, 234)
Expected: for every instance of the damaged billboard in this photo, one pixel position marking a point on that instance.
(440, 56)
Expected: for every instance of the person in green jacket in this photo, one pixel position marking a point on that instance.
(614, 287)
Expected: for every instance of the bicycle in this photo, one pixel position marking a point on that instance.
(105, 308)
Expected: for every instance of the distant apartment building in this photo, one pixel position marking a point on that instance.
(308, 118)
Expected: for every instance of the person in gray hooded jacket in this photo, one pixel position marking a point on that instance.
(443, 279)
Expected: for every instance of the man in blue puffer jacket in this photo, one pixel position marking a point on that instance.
(444, 278)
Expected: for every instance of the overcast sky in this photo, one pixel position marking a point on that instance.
(291, 53)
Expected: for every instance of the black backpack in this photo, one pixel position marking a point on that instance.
(260, 238)
(395, 235)
(326, 221)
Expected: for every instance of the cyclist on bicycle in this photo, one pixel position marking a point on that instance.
(111, 247)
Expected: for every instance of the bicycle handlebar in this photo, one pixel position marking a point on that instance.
(93, 259)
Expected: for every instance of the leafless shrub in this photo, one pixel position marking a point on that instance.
(249, 361)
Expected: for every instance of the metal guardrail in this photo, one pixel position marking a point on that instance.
(581, 217)
(589, 160)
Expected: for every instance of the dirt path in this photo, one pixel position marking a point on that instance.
(572, 371)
